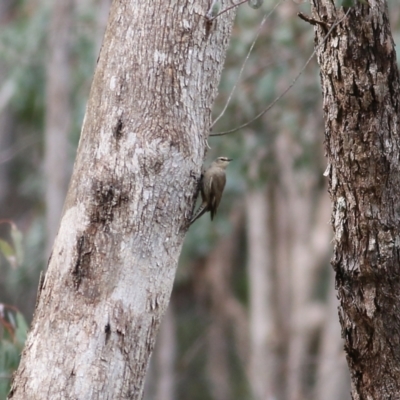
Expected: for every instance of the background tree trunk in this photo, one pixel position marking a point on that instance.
(7, 90)
(332, 381)
(165, 357)
(131, 194)
(262, 362)
(58, 115)
(360, 84)
(302, 243)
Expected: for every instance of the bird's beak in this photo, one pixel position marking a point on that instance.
(229, 159)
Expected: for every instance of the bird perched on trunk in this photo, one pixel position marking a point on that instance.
(211, 187)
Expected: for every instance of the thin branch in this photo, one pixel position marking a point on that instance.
(8, 154)
(289, 87)
(313, 21)
(266, 16)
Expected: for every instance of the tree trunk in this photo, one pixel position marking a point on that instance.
(360, 84)
(262, 363)
(130, 198)
(165, 357)
(301, 229)
(7, 90)
(213, 289)
(332, 378)
(58, 115)
(103, 9)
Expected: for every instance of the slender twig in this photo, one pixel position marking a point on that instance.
(289, 87)
(266, 16)
(312, 21)
(10, 153)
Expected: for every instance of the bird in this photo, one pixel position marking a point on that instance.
(211, 187)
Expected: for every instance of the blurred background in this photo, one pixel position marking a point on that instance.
(253, 314)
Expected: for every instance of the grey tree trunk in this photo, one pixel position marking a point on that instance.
(360, 84)
(114, 259)
(262, 359)
(103, 8)
(332, 381)
(58, 115)
(7, 89)
(165, 357)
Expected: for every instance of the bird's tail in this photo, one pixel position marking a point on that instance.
(200, 211)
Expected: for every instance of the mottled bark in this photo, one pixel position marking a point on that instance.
(114, 259)
(360, 84)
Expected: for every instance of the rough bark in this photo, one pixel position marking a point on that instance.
(360, 84)
(114, 259)
(58, 115)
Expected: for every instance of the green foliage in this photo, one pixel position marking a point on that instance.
(13, 331)
(284, 45)
(12, 250)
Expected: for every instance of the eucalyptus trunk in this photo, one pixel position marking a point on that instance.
(130, 198)
(360, 85)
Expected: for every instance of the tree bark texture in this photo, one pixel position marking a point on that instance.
(130, 198)
(360, 84)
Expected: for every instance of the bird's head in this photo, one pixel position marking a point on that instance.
(222, 162)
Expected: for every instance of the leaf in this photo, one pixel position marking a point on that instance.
(17, 238)
(8, 252)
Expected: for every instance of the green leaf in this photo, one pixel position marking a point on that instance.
(8, 252)
(17, 238)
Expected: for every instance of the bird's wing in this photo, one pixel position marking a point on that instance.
(217, 187)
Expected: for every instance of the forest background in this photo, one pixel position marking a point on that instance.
(253, 313)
